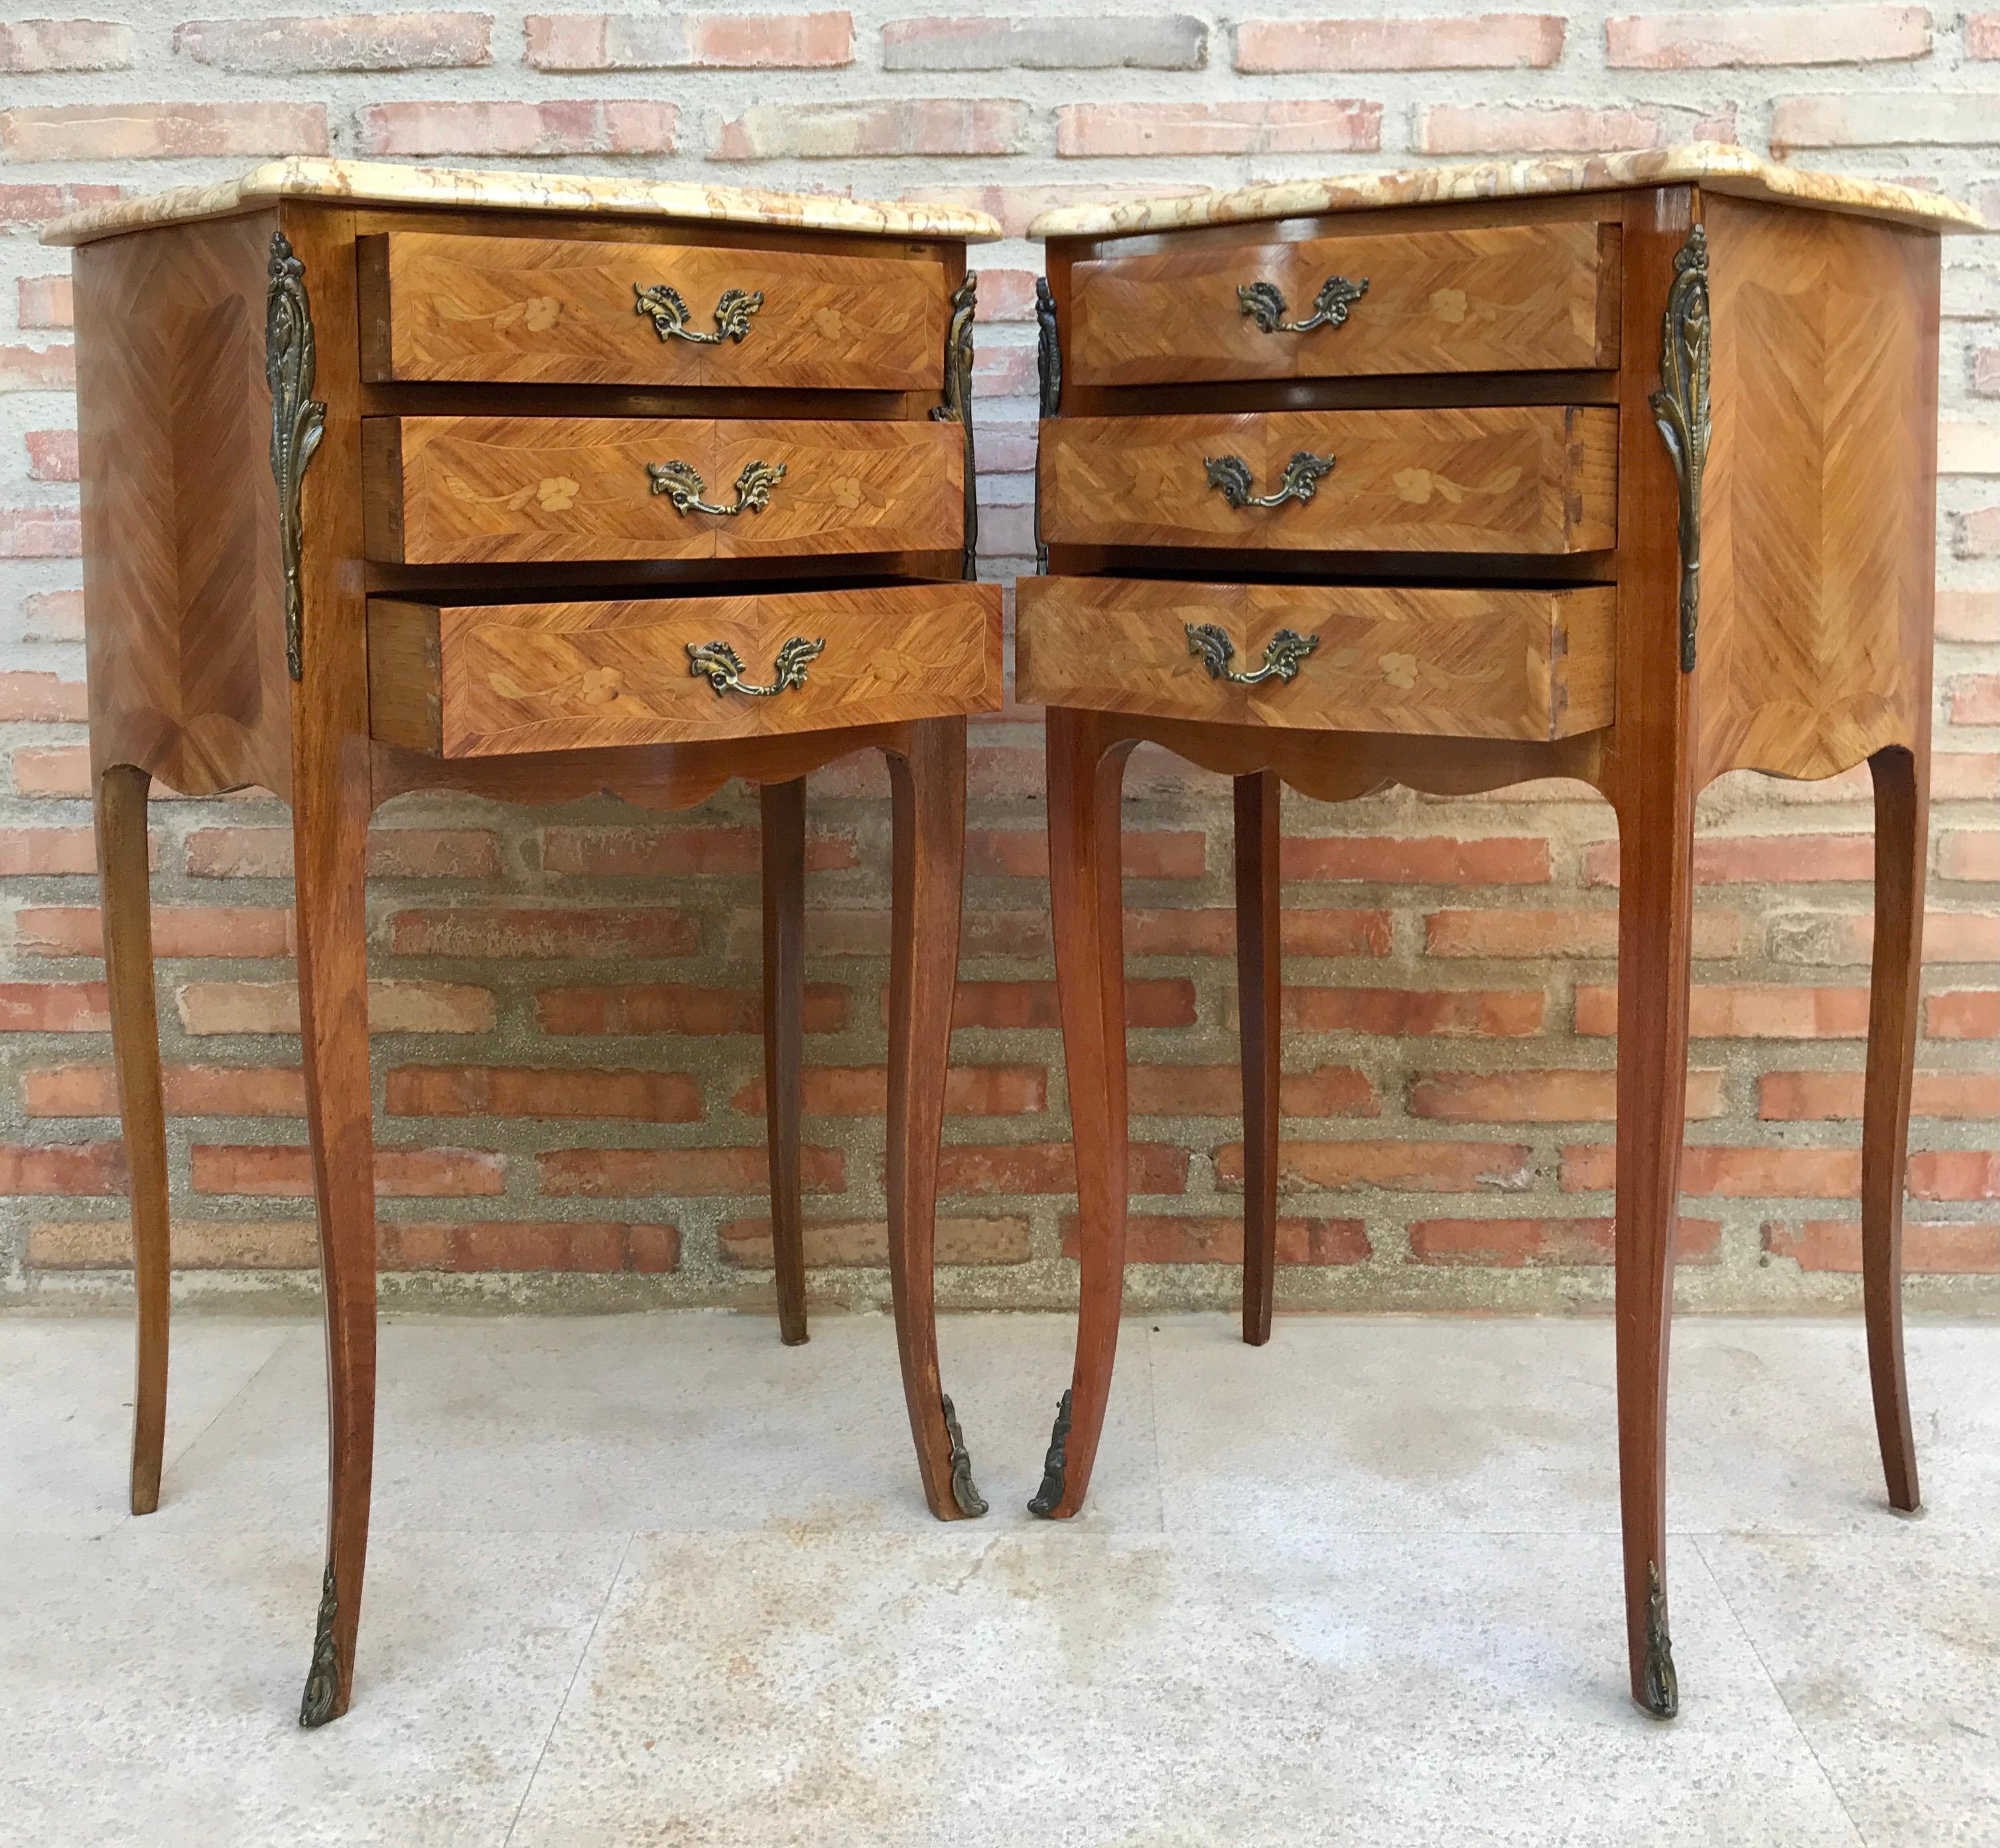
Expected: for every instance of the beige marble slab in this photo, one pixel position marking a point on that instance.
(1709, 163)
(372, 182)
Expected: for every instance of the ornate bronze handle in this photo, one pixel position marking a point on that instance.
(1231, 476)
(660, 303)
(721, 666)
(1265, 305)
(1283, 654)
(681, 482)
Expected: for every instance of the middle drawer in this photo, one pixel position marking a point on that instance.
(1532, 478)
(517, 490)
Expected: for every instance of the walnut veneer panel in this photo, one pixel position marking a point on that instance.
(1817, 503)
(487, 679)
(1485, 663)
(183, 597)
(493, 490)
(1528, 297)
(563, 310)
(1522, 479)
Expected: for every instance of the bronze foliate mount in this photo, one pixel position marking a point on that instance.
(957, 407)
(661, 303)
(1056, 1463)
(1048, 365)
(964, 1492)
(1680, 408)
(298, 422)
(1265, 304)
(323, 1677)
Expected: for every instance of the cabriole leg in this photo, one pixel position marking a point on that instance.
(784, 844)
(1259, 978)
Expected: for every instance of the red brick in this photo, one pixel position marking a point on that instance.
(1954, 1174)
(1487, 42)
(1160, 1002)
(519, 932)
(32, 47)
(649, 852)
(1964, 1014)
(680, 41)
(1217, 1091)
(400, 1173)
(1159, 41)
(1977, 534)
(93, 1168)
(1050, 1168)
(295, 43)
(54, 1007)
(40, 533)
(852, 1244)
(1301, 126)
(1556, 128)
(1882, 118)
(544, 1093)
(181, 131)
(216, 1007)
(539, 130)
(1832, 1097)
(178, 930)
(30, 693)
(51, 616)
(191, 1091)
(1168, 1239)
(649, 1008)
(1023, 853)
(1982, 36)
(1746, 1011)
(1733, 1173)
(1974, 698)
(1509, 1013)
(1965, 854)
(1211, 931)
(237, 852)
(1761, 859)
(37, 368)
(863, 1091)
(1511, 1244)
(198, 1244)
(1540, 1096)
(1491, 931)
(1963, 615)
(32, 851)
(30, 207)
(1713, 39)
(624, 1173)
(1841, 937)
(1401, 1164)
(513, 1244)
(1834, 1244)
(937, 126)
(1426, 859)
(51, 455)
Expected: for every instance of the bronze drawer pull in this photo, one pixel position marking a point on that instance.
(1265, 305)
(1283, 654)
(721, 666)
(661, 304)
(681, 482)
(1230, 475)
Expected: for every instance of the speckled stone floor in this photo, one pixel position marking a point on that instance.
(658, 1580)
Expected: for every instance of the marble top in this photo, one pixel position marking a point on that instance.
(374, 183)
(1709, 163)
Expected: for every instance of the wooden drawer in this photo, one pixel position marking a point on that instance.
(1500, 663)
(1517, 298)
(557, 311)
(1532, 478)
(486, 680)
(495, 490)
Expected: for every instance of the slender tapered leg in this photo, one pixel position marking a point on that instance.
(1086, 906)
(1902, 802)
(1655, 900)
(1259, 973)
(784, 818)
(927, 801)
(330, 829)
(135, 1040)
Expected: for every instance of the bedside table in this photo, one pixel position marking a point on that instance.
(1619, 469)
(397, 479)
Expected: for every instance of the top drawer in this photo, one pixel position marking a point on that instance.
(546, 311)
(1519, 298)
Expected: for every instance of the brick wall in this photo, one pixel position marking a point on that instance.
(567, 1080)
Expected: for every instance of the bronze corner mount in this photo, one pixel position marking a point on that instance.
(1680, 408)
(957, 406)
(298, 422)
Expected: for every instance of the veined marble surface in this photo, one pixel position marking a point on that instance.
(1709, 163)
(374, 183)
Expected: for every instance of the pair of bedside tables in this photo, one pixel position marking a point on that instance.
(1620, 470)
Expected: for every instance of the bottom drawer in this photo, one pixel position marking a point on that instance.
(487, 680)
(1505, 662)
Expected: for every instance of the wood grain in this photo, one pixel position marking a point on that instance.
(782, 843)
(494, 489)
(562, 311)
(1502, 663)
(1534, 478)
(537, 677)
(1504, 298)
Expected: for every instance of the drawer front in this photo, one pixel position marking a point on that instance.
(492, 680)
(499, 490)
(1536, 478)
(1500, 663)
(562, 311)
(1519, 298)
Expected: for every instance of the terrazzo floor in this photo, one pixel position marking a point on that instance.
(658, 1580)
